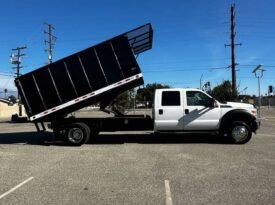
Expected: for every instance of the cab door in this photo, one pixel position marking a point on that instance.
(202, 112)
(168, 110)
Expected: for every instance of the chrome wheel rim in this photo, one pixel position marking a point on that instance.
(239, 133)
(75, 135)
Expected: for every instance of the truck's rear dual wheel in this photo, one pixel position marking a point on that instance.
(240, 132)
(78, 134)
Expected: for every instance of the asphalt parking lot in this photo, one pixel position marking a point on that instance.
(136, 168)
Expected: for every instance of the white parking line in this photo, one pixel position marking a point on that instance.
(21, 143)
(266, 135)
(16, 187)
(168, 193)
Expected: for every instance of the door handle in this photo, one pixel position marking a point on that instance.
(186, 111)
(160, 111)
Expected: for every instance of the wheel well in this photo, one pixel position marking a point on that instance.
(236, 115)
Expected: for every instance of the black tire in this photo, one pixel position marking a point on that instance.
(78, 134)
(240, 132)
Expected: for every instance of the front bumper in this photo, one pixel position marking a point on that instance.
(256, 125)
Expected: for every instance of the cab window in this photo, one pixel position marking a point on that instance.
(170, 98)
(196, 98)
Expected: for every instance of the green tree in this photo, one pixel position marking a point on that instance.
(126, 99)
(121, 102)
(223, 92)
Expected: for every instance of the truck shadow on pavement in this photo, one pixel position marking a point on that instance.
(47, 139)
(151, 138)
(32, 138)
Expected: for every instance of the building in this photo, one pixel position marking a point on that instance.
(7, 109)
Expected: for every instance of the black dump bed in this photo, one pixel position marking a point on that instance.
(94, 75)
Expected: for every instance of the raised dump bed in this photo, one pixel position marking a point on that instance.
(96, 74)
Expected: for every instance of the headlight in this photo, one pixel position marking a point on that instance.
(253, 111)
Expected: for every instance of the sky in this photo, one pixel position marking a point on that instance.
(188, 45)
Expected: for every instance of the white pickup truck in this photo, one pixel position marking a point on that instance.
(175, 110)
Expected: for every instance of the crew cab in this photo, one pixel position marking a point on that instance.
(193, 110)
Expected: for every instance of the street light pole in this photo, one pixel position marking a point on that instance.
(259, 98)
(259, 76)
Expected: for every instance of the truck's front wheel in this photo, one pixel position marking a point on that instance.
(240, 132)
(78, 134)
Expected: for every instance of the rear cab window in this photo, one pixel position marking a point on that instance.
(170, 98)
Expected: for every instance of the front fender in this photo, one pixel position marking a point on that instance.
(238, 115)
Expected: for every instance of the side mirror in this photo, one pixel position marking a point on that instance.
(212, 103)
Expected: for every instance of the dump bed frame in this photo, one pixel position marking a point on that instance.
(95, 75)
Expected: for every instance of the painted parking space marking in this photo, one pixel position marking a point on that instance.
(16, 187)
(168, 193)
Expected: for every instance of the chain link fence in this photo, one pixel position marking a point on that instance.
(268, 101)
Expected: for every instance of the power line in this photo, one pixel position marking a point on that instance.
(185, 61)
(181, 69)
(269, 66)
(8, 75)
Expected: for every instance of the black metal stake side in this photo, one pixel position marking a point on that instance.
(69, 75)
(24, 95)
(99, 63)
(84, 71)
(138, 36)
(114, 52)
(96, 76)
(137, 39)
(140, 48)
(38, 90)
(54, 84)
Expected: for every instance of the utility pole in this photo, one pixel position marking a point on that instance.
(16, 60)
(50, 41)
(232, 36)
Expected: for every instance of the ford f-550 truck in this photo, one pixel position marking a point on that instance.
(100, 73)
